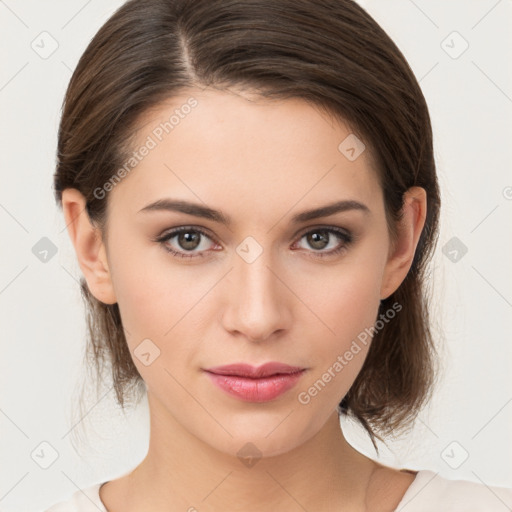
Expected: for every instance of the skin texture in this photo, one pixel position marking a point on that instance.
(260, 162)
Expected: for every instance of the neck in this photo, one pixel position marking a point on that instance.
(182, 472)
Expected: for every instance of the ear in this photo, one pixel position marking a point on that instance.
(409, 229)
(89, 247)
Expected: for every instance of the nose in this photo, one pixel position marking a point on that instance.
(257, 302)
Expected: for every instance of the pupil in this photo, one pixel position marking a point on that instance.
(318, 239)
(189, 242)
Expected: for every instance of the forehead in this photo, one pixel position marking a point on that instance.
(221, 146)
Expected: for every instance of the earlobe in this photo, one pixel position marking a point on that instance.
(89, 247)
(408, 234)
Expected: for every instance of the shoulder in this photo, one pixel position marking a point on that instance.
(430, 492)
(83, 500)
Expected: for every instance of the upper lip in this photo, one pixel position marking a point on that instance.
(247, 370)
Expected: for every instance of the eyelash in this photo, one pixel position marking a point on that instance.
(345, 236)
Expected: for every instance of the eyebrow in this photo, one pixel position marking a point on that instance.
(205, 212)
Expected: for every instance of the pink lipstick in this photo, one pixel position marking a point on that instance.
(255, 384)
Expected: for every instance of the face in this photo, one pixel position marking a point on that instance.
(196, 293)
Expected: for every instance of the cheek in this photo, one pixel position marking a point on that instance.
(339, 347)
(159, 301)
(348, 310)
(345, 298)
(345, 301)
(152, 293)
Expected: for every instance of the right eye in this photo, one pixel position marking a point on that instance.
(187, 238)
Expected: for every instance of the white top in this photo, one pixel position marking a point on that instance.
(428, 492)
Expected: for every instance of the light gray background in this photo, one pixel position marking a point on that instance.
(42, 320)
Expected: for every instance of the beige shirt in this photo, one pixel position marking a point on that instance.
(428, 492)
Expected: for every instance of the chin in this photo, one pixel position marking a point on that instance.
(261, 439)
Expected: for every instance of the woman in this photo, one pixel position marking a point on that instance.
(251, 192)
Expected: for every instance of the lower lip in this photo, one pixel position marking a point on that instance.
(263, 389)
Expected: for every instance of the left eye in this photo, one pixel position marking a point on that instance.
(321, 238)
(189, 239)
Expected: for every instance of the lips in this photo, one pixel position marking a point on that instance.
(246, 370)
(255, 384)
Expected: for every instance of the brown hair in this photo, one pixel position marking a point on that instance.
(330, 53)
